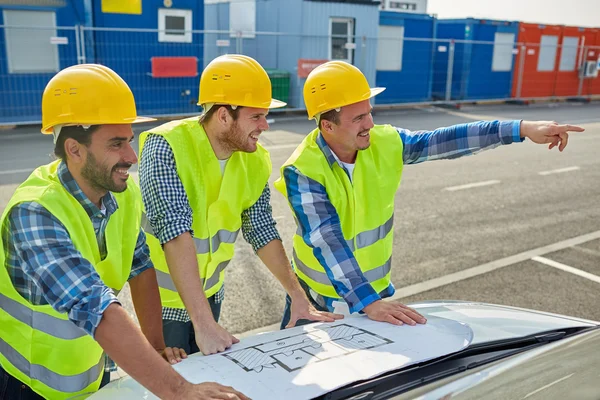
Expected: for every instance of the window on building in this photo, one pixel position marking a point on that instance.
(174, 25)
(547, 58)
(401, 5)
(502, 60)
(242, 18)
(342, 39)
(568, 54)
(29, 50)
(390, 45)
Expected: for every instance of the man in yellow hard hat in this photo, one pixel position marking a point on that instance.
(202, 179)
(71, 238)
(341, 182)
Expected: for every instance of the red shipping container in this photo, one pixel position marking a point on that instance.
(577, 48)
(592, 85)
(540, 63)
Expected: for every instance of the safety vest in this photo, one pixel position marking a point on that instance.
(217, 202)
(365, 206)
(38, 345)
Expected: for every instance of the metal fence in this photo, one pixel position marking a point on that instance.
(415, 71)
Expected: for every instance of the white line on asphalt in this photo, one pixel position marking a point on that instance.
(466, 274)
(491, 266)
(587, 251)
(471, 185)
(16, 171)
(548, 385)
(559, 171)
(282, 146)
(566, 268)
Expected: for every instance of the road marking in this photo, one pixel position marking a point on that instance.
(566, 268)
(559, 171)
(491, 266)
(548, 385)
(282, 146)
(16, 171)
(585, 250)
(471, 185)
(462, 275)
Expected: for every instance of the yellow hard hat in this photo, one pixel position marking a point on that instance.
(333, 85)
(87, 94)
(236, 80)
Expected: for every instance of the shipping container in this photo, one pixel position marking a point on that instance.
(537, 68)
(405, 57)
(482, 55)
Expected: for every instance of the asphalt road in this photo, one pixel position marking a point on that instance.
(476, 242)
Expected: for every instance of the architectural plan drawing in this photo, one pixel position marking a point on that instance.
(309, 361)
(295, 352)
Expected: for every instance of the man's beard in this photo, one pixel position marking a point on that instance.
(100, 177)
(236, 140)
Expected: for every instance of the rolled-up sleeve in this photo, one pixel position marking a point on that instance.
(67, 281)
(258, 225)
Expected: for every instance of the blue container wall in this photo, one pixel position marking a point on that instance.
(473, 77)
(129, 54)
(303, 32)
(21, 93)
(413, 82)
(216, 18)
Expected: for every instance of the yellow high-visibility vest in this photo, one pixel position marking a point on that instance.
(217, 202)
(38, 345)
(365, 206)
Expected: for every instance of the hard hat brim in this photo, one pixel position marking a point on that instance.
(138, 120)
(373, 92)
(277, 104)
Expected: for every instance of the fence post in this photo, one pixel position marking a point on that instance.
(450, 71)
(81, 39)
(582, 71)
(522, 55)
(238, 42)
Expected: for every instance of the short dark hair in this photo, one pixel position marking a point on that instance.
(77, 132)
(331, 116)
(205, 117)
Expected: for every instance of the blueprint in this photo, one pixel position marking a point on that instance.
(309, 361)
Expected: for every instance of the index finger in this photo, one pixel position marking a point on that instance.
(572, 128)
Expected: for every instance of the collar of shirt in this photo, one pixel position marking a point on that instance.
(108, 201)
(330, 155)
(331, 158)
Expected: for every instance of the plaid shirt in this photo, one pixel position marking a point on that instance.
(319, 222)
(169, 212)
(46, 268)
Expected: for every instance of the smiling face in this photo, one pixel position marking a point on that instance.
(350, 133)
(108, 158)
(243, 132)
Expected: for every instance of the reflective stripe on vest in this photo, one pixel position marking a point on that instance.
(202, 245)
(165, 281)
(60, 328)
(61, 383)
(367, 238)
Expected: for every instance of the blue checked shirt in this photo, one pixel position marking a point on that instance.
(170, 214)
(319, 222)
(46, 268)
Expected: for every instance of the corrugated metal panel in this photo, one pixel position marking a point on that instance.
(537, 80)
(473, 74)
(413, 82)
